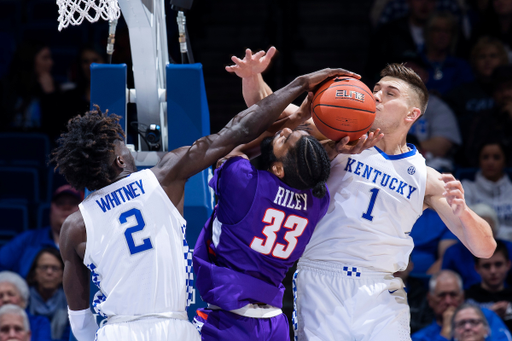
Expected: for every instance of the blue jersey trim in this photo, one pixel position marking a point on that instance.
(399, 156)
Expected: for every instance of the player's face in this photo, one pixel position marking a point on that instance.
(469, 326)
(61, 208)
(12, 328)
(393, 97)
(286, 139)
(446, 294)
(48, 273)
(493, 270)
(9, 294)
(492, 162)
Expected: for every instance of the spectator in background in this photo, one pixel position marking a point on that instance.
(14, 325)
(444, 297)
(470, 99)
(14, 290)
(492, 185)
(497, 22)
(495, 123)
(445, 71)
(431, 239)
(437, 130)
(469, 324)
(77, 100)
(29, 96)
(398, 37)
(457, 252)
(19, 254)
(46, 294)
(491, 292)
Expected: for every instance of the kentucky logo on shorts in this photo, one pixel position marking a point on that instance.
(351, 271)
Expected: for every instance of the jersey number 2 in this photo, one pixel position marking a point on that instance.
(368, 213)
(275, 218)
(128, 233)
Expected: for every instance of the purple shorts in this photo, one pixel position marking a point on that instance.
(224, 325)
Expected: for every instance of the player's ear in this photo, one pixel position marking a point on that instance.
(413, 115)
(120, 162)
(277, 169)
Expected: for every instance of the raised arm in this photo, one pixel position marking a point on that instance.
(179, 165)
(445, 195)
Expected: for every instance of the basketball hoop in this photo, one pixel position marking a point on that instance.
(74, 11)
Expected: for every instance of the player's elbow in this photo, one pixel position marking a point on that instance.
(486, 250)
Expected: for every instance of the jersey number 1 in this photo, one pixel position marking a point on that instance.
(368, 213)
(128, 233)
(275, 218)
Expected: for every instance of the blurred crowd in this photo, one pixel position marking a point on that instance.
(462, 49)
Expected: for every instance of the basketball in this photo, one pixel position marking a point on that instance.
(343, 106)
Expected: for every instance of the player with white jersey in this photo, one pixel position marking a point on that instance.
(345, 289)
(130, 234)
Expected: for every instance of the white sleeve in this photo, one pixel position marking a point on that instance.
(83, 324)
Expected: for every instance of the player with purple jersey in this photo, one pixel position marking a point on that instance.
(260, 227)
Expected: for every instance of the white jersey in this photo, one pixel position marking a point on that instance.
(375, 200)
(136, 248)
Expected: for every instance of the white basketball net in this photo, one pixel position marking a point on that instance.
(74, 11)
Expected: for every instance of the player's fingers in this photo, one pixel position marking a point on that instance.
(358, 148)
(258, 54)
(350, 73)
(271, 51)
(248, 53)
(237, 60)
(340, 145)
(230, 68)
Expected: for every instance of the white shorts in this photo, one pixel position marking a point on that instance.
(150, 329)
(336, 302)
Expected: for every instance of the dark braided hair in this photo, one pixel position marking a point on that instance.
(84, 154)
(306, 165)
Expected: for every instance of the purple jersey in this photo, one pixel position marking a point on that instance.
(258, 230)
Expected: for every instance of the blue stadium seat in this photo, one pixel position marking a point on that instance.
(19, 185)
(43, 215)
(14, 221)
(29, 150)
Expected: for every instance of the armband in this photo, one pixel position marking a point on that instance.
(83, 324)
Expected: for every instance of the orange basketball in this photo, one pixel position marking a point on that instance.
(343, 106)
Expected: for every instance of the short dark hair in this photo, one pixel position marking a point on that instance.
(84, 152)
(406, 74)
(306, 165)
(31, 276)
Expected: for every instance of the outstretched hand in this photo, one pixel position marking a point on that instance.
(252, 64)
(312, 80)
(454, 193)
(344, 146)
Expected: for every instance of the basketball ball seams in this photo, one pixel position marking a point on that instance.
(342, 107)
(341, 130)
(345, 110)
